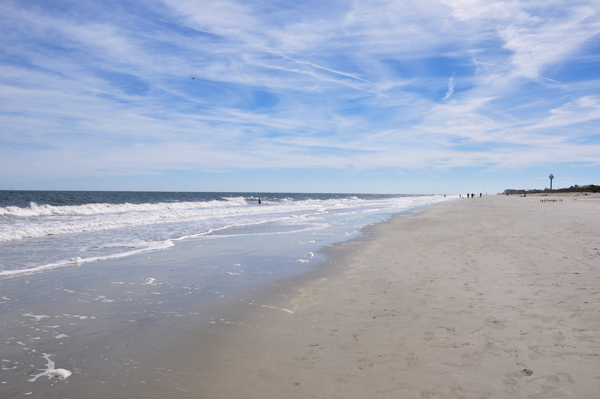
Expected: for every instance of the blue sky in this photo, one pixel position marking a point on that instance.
(446, 96)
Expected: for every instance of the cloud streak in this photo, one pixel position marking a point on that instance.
(450, 88)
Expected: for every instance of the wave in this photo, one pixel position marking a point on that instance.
(101, 208)
(81, 233)
(140, 248)
(43, 220)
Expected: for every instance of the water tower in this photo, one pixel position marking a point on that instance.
(551, 177)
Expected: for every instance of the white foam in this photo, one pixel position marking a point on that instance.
(311, 227)
(146, 245)
(300, 216)
(309, 255)
(51, 371)
(36, 317)
(302, 261)
(273, 307)
(79, 261)
(38, 221)
(75, 316)
(99, 208)
(95, 217)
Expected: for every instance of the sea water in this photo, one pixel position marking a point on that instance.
(92, 284)
(40, 230)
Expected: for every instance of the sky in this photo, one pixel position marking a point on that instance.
(428, 96)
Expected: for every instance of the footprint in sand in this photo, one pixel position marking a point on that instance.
(430, 395)
(411, 360)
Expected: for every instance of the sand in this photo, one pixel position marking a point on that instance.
(493, 297)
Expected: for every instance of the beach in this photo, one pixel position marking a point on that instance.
(493, 297)
(99, 291)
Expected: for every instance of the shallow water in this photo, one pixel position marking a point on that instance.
(41, 230)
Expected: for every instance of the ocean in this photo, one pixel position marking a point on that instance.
(47, 229)
(92, 284)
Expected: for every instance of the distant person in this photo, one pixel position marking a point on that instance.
(259, 200)
(480, 195)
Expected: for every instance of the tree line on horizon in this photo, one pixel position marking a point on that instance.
(590, 188)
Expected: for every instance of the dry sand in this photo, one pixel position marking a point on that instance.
(493, 297)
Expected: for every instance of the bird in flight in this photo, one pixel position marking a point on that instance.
(193, 77)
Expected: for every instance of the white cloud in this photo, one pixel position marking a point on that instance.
(450, 88)
(581, 110)
(536, 47)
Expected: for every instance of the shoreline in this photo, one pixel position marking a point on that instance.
(484, 297)
(114, 324)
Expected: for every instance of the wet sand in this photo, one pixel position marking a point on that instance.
(112, 324)
(493, 297)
